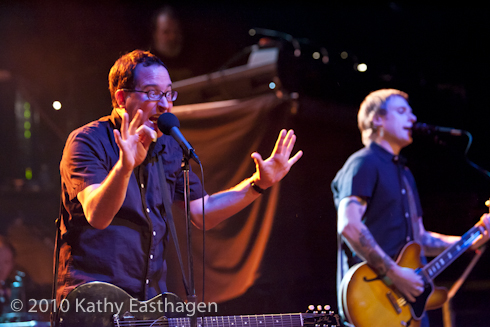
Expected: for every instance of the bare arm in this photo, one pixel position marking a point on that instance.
(101, 202)
(222, 205)
(435, 243)
(350, 226)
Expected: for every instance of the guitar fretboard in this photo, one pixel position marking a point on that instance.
(279, 320)
(438, 264)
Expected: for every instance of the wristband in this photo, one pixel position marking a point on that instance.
(387, 280)
(257, 188)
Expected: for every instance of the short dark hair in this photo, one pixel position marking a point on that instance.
(164, 10)
(121, 75)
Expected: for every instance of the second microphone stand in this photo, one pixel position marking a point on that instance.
(191, 292)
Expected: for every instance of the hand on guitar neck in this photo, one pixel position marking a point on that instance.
(367, 298)
(484, 225)
(409, 283)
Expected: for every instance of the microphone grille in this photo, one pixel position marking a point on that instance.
(167, 121)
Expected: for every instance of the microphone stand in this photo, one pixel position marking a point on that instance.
(191, 298)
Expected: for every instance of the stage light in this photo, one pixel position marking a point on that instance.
(57, 105)
(316, 55)
(344, 55)
(28, 173)
(27, 110)
(272, 85)
(252, 32)
(362, 68)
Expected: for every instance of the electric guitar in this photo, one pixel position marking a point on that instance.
(99, 304)
(367, 301)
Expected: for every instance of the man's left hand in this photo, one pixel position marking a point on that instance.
(273, 169)
(485, 223)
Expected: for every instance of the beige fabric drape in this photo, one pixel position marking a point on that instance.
(224, 134)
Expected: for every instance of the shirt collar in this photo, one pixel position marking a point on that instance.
(115, 119)
(385, 155)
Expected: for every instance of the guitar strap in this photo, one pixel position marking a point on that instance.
(167, 205)
(413, 211)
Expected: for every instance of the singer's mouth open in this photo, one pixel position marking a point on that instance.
(154, 118)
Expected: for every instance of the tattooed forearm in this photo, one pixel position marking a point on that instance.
(434, 245)
(366, 239)
(376, 259)
(380, 263)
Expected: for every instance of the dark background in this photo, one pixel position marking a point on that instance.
(56, 50)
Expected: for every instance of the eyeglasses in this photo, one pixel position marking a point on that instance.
(157, 95)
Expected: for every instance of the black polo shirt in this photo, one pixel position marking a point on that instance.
(130, 252)
(376, 175)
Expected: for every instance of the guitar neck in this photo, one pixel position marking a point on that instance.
(443, 260)
(277, 320)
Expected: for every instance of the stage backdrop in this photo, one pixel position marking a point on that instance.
(224, 135)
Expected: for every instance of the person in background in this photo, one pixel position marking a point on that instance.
(378, 206)
(168, 44)
(7, 255)
(11, 281)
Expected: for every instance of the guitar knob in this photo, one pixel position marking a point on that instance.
(311, 307)
(319, 307)
(326, 308)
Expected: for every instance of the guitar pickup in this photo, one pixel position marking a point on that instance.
(394, 302)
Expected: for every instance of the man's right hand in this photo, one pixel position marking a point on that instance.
(101, 202)
(406, 281)
(133, 140)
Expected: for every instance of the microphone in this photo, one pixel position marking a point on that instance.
(169, 124)
(426, 129)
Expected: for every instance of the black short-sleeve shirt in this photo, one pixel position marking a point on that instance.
(130, 252)
(376, 175)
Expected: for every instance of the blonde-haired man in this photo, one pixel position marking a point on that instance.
(376, 197)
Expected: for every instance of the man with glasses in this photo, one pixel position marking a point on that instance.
(112, 226)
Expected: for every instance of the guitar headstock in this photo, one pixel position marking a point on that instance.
(320, 316)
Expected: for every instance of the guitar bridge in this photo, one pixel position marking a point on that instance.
(395, 303)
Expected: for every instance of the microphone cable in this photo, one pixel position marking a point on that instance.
(483, 171)
(203, 232)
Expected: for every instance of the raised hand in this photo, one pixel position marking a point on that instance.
(273, 169)
(133, 141)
